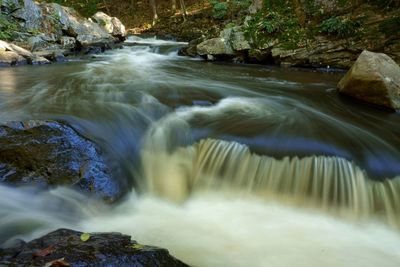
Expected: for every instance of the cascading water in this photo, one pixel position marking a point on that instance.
(232, 165)
(329, 182)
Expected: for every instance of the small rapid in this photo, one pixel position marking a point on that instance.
(228, 165)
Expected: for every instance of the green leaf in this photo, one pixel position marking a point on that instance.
(85, 237)
(137, 246)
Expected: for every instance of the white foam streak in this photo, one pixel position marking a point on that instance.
(152, 41)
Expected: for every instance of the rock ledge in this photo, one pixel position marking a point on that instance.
(65, 247)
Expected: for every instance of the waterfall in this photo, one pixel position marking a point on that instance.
(175, 164)
(330, 183)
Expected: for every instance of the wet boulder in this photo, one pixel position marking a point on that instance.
(374, 78)
(49, 153)
(66, 247)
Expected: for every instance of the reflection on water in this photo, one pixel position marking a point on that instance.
(8, 81)
(251, 135)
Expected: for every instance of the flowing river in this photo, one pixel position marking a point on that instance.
(230, 165)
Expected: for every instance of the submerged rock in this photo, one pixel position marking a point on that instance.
(374, 78)
(66, 247)
(48, 153)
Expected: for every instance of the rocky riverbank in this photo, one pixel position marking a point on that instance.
(66, 247)
(41, 33)
(331, 35)
(251, 41)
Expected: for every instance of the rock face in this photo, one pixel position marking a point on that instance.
(32, 14)
(321, 52)
(86, 32)
(62, 32)
(45, 153)
(374, 78)
(65, 247)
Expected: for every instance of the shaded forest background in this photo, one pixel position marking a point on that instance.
(297, 18)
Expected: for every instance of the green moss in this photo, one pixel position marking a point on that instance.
(339, 27)
(390, 26)
(102, 23)
(7, 27)
(267, 26)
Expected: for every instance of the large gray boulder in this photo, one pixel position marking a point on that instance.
(90, 34)
(49, 153)
(231, 42)
(374, 78)
(86, 32)
(112, 25)
(215, 46)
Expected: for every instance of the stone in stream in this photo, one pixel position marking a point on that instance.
(374, 78)
(65, 247)
(49, 153)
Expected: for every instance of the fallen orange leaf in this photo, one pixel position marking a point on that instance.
(44, 252)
